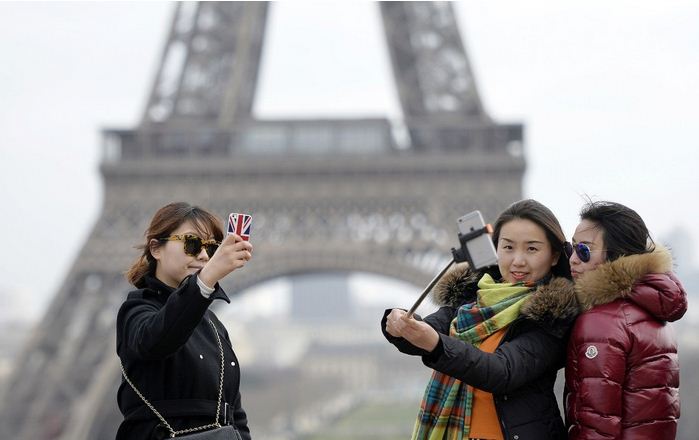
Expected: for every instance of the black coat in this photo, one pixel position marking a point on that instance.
(521, 372)
(170, 353)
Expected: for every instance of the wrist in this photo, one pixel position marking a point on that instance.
(432, 341)
(206, 277)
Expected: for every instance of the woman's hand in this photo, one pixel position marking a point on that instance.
(233, 253)
(418, 333)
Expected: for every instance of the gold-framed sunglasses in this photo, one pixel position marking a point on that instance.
(193, 244)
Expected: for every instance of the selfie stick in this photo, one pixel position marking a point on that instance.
(429, 287)
(460, 255)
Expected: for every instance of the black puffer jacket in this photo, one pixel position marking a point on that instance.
(521, 372)
(169, 351)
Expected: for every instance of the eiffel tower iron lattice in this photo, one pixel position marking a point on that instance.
(326, 195)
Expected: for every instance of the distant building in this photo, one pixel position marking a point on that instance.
(320, 297)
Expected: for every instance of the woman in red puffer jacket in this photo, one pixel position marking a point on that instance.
(622, 370)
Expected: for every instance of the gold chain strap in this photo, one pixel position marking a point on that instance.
(174, 433)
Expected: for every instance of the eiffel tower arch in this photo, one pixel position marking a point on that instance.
(325, 195)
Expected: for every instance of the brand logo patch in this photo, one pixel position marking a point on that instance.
(591, 352)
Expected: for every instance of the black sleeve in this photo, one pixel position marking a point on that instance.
(240, 418)
(148, 331)
(515, 363)
(439, 320)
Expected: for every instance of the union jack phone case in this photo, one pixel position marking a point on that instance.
(240, 224)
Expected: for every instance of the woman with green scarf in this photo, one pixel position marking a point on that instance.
(499, 337)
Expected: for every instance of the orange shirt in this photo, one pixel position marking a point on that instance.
(485, 423)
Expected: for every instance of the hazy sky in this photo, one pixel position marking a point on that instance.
(607, 91)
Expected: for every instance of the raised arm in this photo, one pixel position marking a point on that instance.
(512, 365)
(439, 321)
(147, 331)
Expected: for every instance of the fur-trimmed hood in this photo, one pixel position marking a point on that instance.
(644, 279)
(456, 287)
(553, 305)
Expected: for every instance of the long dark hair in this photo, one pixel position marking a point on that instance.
(624, 232)
(534, 211)
(164, 222)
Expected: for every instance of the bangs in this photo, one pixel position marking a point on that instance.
(206, 225)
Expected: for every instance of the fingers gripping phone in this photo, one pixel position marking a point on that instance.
(476, 244)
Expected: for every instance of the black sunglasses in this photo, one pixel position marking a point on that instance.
(193, 244)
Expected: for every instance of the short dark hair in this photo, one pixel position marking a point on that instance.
(536, 212)
(624, 232)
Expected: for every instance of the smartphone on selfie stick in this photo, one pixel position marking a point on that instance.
(475, 247)
(476, 242)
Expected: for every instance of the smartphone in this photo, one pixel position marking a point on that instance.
(480, 248)
(240, 224)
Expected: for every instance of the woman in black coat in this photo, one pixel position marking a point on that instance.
(170, 344)
(498, 339)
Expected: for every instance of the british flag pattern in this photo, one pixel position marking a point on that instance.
(240, 224)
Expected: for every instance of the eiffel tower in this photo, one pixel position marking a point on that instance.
(326, 195)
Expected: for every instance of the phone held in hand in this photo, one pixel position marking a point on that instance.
(480, 248)
(476, 247)
(240, 224)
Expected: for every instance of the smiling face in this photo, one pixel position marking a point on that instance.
(590, 234)
(173, 264)
(524, 252)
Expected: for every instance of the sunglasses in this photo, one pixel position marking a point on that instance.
(581, 250)
(193, 244)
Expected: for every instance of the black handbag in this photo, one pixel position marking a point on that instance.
(213, 431)
(222, 433)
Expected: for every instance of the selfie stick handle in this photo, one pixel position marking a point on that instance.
(429, 288)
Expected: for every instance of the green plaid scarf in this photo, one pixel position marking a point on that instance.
(445, 411)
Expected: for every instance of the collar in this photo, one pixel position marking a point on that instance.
(616, 279)
(153, 283)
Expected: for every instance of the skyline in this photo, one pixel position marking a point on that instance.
(607, 108)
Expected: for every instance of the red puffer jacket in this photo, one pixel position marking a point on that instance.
(622, 371)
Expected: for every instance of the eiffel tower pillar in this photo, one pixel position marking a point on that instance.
(326, 195)
(437, 89)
